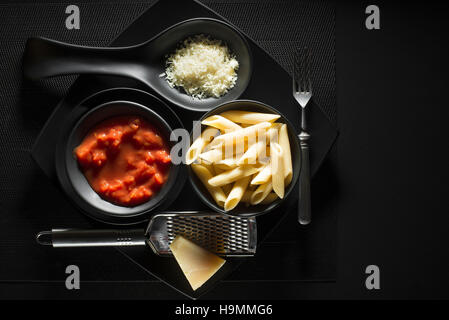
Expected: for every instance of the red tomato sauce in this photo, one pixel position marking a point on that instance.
(125, 160)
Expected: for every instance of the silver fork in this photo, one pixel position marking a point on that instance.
(302, 92)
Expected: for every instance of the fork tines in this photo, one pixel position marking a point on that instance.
(301, 70)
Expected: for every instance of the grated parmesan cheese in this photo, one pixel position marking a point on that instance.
(203, 67)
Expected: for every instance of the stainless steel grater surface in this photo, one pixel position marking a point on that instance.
(224, 235)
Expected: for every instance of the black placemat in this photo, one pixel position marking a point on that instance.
(25, 107)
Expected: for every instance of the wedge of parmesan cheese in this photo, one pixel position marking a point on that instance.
(197, 264)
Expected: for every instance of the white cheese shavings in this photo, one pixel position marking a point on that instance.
(203, 67)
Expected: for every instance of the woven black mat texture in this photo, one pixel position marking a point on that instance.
(278, 26)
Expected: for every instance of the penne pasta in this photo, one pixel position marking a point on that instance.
(249, 157)
(264, 157)
(218, 169)
(268, 152)
(243, 157)
(277, 169)
(221, 123)
(232, 175)
(227, 188)
(287, 156)
(252, 187)
(205, 175)
(238, 136)
(249, 117)
(256, 151)
(247, 196)
(209, 167)
(198, 145)
(230, 161)
(263, 176)
(273, 135)
(225, 165)
(212, 156)
(236, 193)
(261, 193)
(206, 147)
(270, 198)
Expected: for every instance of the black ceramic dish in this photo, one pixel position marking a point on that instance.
(74, 181)
(261, 87)
(144, 62)
(241, 209)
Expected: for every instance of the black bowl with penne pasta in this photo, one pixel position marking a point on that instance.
(244, 158)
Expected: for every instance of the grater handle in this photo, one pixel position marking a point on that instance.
(91, 238)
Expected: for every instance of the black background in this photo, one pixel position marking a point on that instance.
(392, 168)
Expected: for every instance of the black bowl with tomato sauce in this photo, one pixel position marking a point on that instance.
(92, 192)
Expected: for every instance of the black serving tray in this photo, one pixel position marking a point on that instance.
(270, 84)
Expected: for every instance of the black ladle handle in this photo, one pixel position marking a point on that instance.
(48, 58)
(91, 238)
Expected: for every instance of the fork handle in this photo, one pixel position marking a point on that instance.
(304, 205)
